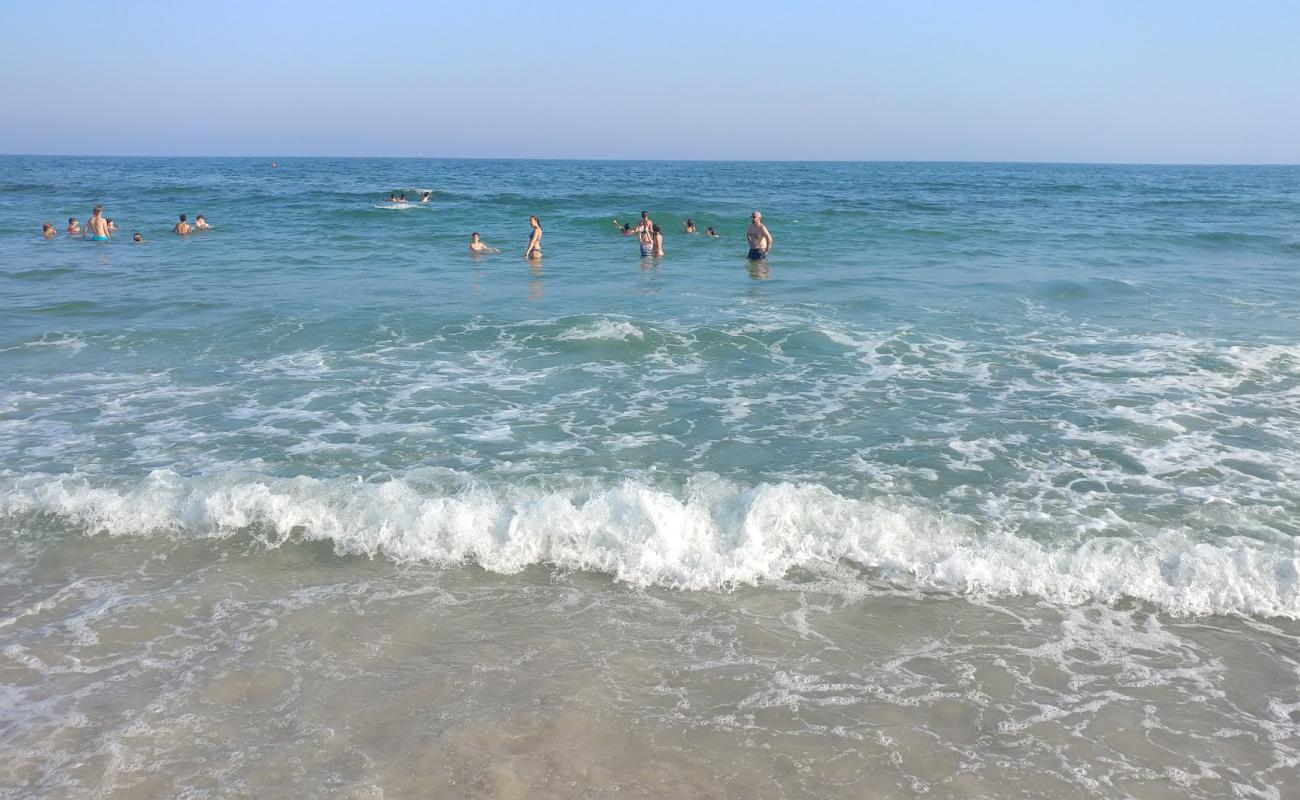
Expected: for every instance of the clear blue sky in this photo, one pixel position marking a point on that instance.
(1155, 81)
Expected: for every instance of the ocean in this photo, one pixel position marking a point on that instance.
(985, 484)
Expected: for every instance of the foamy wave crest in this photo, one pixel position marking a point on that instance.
(710, 534)
(619, 330)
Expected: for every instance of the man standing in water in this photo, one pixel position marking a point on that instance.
(97, 226)
(760, 238)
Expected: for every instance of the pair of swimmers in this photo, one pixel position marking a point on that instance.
(689, 226)
(533, 251)
(184, 228)
(393, 197)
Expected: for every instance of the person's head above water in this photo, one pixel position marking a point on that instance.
(473, 237)
(182, 217)
(655, 228)
(627, 226)
(137, 237)
(645, 215)
(535, 220)
(757, 216)
(72, 220)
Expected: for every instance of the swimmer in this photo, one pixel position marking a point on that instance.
(182, 228)
(689, 225)
(392, 197)
(659, 240)
(201, 222)
(137, 238)
(97, 227)
(274, 165)
(645, 222)
(424, 198)
(112, 226)
(403, 200)
(625, 229)
(477, 245)
(534, 238)
(47, 230)
(710, 232)
(645, 235)
(760, 238)
(74, 227)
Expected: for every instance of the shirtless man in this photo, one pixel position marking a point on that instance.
(760, 238)
(182, 228)
(201, 222)
(645, 235)
(74, 227)
(97, 226)
(47, 230)
(477, 245)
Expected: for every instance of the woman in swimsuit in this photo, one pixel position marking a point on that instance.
(534, 238)
(659, 240)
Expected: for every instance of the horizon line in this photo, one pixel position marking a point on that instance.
(680, 160)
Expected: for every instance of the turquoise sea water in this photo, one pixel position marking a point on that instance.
(1068, 395)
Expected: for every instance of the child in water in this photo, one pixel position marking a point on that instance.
(477, 245)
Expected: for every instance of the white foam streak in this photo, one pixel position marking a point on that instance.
(711, 534)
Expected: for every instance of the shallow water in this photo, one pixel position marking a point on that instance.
(988, 479)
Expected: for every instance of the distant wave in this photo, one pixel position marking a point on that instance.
(708, 535)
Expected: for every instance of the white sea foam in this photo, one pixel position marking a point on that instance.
(615, 329)
(710, 534)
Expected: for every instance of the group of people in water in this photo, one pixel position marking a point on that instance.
(100, 228)
(649, 236)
